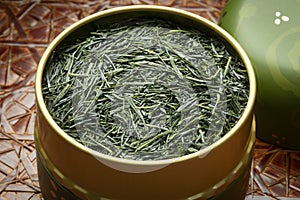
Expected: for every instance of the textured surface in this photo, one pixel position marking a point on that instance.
(26, 28)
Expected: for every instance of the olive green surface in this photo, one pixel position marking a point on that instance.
(269, 31)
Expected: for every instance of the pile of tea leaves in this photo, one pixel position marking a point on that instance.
(145, 89)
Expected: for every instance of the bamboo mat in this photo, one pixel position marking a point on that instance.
(26, 29)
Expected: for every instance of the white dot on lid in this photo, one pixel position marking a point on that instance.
(285, 18)
(277, 21)
(277, 14)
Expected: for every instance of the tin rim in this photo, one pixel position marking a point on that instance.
(221, 185)
(163, 9)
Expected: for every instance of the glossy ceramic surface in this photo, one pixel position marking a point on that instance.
(270, 33)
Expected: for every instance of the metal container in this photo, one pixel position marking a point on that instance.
(270, 34)
(69, 170)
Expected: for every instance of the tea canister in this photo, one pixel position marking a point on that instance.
(69, 170)
(269, 31)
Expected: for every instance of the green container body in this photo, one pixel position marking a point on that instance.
(269, 32)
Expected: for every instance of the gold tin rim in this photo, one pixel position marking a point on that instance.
(220, 185)
(125, 9)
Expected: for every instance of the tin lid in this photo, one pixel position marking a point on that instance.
(269, 31)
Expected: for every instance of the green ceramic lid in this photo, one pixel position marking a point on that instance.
(269, 31)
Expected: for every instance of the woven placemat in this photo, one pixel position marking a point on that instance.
(26, 29)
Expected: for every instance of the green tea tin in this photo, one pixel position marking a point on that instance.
(70, 170)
